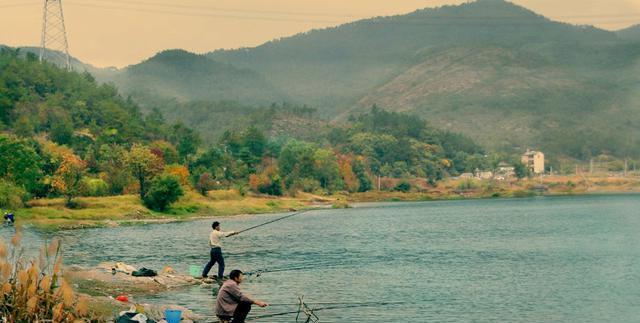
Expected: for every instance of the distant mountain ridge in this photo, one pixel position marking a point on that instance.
(186, 76)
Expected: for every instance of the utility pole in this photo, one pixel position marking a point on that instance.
(53, 43)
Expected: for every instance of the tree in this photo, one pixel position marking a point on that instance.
(143, 165)
(164, 190)
(113, 165)
(205, 183)
(68, 178)
(186, 141)
(521, 170)
(326, 170)
(19, 163)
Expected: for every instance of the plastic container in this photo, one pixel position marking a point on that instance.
(195, 271)
(173, 316)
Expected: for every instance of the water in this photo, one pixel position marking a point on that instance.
(569, 259)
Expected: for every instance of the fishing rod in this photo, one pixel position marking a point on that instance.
(274, 220)
(329, 306)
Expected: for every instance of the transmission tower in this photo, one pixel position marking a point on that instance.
(54, 46)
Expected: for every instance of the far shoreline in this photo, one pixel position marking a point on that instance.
(125, 210)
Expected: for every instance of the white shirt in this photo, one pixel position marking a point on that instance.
(216, 236)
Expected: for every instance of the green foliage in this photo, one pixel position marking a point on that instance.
(186, 140)
(164, 190)
(112, 162)
(468, 184)
(143, 166)
(521, 170)
(40, 97)
(19, 163)
(403, 186)
(12, 196)
(94, 187)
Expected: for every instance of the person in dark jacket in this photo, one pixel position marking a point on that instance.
(9, 217)
(233, 306)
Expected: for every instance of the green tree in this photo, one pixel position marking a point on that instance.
(19, 163)
(143, 165)
(186, 141)
(112, 161)
(297, 157)
(163, 192)
(521, 170)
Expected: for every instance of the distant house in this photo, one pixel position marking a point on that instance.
(466, 176)
(483, 174)
(505, 171)
(534, 160)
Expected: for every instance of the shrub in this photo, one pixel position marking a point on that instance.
(34, 291)
(205, 183)
(403, 187)
(164, 190)
(94, 187)
(12, 196)
(307, 185)
(468, 184)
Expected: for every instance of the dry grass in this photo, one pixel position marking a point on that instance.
(127, 209)
(34, 290)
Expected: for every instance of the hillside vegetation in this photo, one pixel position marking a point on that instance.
(65, 136)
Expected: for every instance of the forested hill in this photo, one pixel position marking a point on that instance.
(332, 68)
(490, 69)
(186, 76)
(632, 33)
(71, 108)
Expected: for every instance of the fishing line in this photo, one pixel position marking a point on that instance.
(275, 220)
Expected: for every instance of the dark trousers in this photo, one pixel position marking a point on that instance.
(216, 256)
(240, 314)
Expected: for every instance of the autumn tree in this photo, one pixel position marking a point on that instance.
(143, 165)
(68, 177)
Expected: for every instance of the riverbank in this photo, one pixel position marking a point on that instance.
(51, 214)
(111, 211)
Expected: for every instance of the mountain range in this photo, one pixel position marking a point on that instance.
(498, 72)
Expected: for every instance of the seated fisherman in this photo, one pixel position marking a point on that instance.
(232, 306)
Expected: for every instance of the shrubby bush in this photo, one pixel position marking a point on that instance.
(12, 196)
(94, 187)
(308, 185)
(403, 187)
(164, 190)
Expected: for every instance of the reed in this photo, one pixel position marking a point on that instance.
(34, 290)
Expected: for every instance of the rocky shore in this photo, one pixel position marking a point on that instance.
(113, 285)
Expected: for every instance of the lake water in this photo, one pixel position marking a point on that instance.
(552, 259)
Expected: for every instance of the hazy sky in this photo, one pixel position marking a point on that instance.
(122, 32)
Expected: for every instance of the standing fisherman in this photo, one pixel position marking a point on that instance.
(216, 250)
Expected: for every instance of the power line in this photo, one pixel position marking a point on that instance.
(23, 4)
(188, 14)
(286, 13)
(426, 21)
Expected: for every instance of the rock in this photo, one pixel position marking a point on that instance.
(105, 280)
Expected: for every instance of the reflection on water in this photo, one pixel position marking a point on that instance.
(525, 260)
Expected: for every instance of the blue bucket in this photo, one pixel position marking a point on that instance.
(173, 316)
